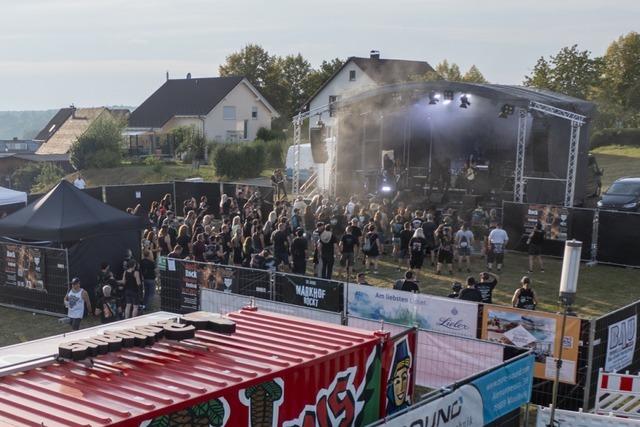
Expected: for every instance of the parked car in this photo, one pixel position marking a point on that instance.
(623, 195)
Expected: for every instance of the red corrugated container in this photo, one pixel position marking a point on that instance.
(274, 370)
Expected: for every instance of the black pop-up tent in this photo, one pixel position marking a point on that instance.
(92, 231)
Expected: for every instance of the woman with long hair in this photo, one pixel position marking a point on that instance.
(236, 247)
(184, 240)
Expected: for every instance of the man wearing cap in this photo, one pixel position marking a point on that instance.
(456, 287)
(75, 301)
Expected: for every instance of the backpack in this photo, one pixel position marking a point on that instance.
(463, 241)
(398, 285)
(367, 244)
(295, 222)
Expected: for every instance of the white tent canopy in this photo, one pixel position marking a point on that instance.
(10, 197)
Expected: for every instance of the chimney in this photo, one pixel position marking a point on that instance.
(374, 54)
(73, 110)
(188, 76)
(167, 75)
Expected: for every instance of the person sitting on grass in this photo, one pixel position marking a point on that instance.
(524, 296)
(470, 293)
(408, 284)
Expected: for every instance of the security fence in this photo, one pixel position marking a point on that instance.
(33, 277)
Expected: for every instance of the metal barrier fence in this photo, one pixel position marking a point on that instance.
(34, 277)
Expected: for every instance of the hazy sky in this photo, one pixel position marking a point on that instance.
(105, 52)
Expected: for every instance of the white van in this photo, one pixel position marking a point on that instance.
(307, 166)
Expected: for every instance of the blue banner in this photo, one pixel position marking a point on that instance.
(506, 388)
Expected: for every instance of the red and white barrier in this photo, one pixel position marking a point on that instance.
(618, 394)
(565, 418)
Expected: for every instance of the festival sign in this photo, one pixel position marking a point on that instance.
(554, 220)
(309, 292)
(189, 289)
(538, 331)
(621, 344)
(404, 308)
(24, 267)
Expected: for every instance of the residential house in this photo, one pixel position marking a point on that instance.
(68, 125)
(222, 108)
(16, 145)
(358, 75)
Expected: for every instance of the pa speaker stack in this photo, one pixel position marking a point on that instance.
(318, 144)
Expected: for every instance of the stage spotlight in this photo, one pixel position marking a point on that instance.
(464, 101)
(433, 98)
(448, 95)
(506, 111)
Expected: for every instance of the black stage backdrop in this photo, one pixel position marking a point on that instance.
(95, 192)
(128, 196)
(618, 241)
(185, 190)
(309, 292)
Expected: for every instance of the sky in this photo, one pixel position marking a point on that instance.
(116, 52)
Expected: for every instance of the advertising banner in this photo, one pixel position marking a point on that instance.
(404, 308)
(309, 292)
(506, 388)
(398, 370)
(538, 331)
(621, 344)
(463, 407)
(24, 267)
(189, 289)
(554, 220)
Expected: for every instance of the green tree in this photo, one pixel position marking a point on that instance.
(49, 176)
(191, 143)
(473, 75)
(25, 177)
(294, 73)
(100, 146)
(571, 71)
(448, 71)
(252, 62)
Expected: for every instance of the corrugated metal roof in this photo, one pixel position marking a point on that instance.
(141, 382)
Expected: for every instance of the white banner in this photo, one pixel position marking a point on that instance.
(462, 407)
(565, 418)
(444, 359)
(621, 344)
(222, 302)
(404, 308)
(373, 325)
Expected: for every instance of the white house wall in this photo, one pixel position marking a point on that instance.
(243, 99)
(340, 85)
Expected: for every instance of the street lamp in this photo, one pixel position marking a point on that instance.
(568, 288)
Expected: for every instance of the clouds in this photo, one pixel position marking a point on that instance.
(123, 47)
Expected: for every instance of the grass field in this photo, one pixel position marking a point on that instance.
(617, 161)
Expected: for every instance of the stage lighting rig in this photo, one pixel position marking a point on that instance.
(448, 95)
(433, 98)
(464, 101)
(506, 111)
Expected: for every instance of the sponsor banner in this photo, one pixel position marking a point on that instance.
(405, 308)
(554, 220)
(538, 331)
(505, 389)
(581, 419)
(463, 407)
(398, 370)
(24, 267)
(621, 344)
(445, 359)
(189, 289)
(309, 292)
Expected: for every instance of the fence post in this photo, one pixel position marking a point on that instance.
(272, 284)
(587, 382)
(593, 259)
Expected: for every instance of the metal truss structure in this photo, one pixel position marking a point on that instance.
(520, 180)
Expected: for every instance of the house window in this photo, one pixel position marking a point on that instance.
(245, 131)
(229, 113)
(254, 113)
(352, 75)
(332, 108)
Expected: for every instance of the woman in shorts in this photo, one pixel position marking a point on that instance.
(444, 240)
(535, 241)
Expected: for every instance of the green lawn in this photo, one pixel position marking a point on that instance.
(617, 161)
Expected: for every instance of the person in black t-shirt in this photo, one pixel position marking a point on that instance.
(280, 245)
(107, 306)
(525, 297)
(148, 270)
(408, 284)
(299, 252)
(456, 287)
(328, 243)
(535, 241)
(357, 233)
(417, 246)
(487, 284)
(403, 249)
(429, 228)
(470, 293)
(347, 246)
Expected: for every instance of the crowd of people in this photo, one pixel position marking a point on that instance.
(323, 237)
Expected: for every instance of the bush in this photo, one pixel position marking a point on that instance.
(240, 160)
(49, 176)
(156, 164)
(629, 136)
(25, 177)
(265, 134)
(99, 146)
(276, 152)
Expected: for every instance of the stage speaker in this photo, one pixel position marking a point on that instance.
(436, 198)
(318, 145)
(540, 144)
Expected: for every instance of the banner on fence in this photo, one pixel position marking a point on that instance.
(24, 267)
(309, 292)
(398, 368)
(190, 287)
(621, 344)
(404, 308)
(554, 220)
(538, 331)
(581, 419)
(444, 359)
(222, 302)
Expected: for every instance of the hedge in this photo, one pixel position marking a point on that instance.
(629, 136)
(240, 160)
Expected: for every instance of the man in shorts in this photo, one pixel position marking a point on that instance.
(464, 242)
(347, 246)
(497, 240)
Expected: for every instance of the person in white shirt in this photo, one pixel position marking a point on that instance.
(349, 209)
(79, 182)
(464, 241)
(299, 204)
(498, 240)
